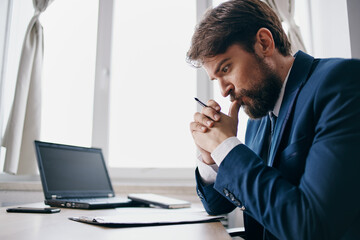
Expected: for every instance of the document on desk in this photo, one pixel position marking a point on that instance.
(137, 219)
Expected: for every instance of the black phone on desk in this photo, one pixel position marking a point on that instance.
(33, 210)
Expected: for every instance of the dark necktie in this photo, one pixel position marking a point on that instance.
(272, 127)
(269, 129)
(272, 123)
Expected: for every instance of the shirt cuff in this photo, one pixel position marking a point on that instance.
(224, 148)
(207, 172)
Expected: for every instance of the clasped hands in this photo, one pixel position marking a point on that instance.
(211, 127)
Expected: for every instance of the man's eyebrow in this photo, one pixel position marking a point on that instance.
(219, 65)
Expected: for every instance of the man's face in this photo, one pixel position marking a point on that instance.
(246, 78)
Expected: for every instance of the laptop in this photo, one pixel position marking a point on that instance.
(76, 177)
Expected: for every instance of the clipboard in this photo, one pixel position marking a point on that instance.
(138, 219)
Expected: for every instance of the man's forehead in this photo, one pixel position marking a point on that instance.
(208, 62)
(232, 50)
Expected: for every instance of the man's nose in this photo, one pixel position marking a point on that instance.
(225, 87)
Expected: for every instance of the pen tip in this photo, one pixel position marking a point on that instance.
(196, 99)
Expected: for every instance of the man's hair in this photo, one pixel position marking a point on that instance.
(235, 21)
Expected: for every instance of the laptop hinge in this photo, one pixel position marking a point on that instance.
(53, 196)
(110, 195)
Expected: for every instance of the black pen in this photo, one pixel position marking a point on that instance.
(200, 102)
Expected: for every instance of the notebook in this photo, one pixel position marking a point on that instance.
(76, 177)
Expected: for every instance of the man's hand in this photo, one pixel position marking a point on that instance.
(213, 110)
(211, 127)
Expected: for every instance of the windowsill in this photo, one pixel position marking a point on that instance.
(175, 189)
(121, 186)
(178, 183)
(36, 185)
(123, 180)
(20, 186)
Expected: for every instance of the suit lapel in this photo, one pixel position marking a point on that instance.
(260, 138)
(297, 78)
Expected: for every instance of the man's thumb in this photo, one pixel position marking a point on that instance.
(234, 109)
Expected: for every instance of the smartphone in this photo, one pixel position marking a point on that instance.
(33, 210)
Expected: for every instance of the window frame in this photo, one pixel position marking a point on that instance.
(100, 130)
(101, 113)
(101, 109)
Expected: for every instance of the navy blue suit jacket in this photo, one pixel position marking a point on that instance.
(310, 186)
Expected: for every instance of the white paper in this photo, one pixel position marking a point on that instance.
(148, 218)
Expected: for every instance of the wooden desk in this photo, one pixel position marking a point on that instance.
(55, 226)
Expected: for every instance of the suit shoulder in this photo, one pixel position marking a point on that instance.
(334, 84)
(335, 67)
(335, 73)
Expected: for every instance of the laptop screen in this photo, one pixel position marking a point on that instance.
(69, 171)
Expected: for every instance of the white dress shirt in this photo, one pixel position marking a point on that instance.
(207, 172)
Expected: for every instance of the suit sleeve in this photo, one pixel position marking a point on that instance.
(325, 204)
(213, 202)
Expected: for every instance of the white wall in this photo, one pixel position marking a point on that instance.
(330, 28)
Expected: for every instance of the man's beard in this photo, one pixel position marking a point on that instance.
(264, 93)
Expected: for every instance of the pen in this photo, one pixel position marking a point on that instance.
(200, 102)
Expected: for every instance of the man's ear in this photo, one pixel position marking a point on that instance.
(264, 44)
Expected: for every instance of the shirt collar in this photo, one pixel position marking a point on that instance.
(277, 106)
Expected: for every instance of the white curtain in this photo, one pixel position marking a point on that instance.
(23, 126)
(285, 9)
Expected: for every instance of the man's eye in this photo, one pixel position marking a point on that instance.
(225, 69)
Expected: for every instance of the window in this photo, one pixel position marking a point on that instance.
(152, 87)
(69, 71)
